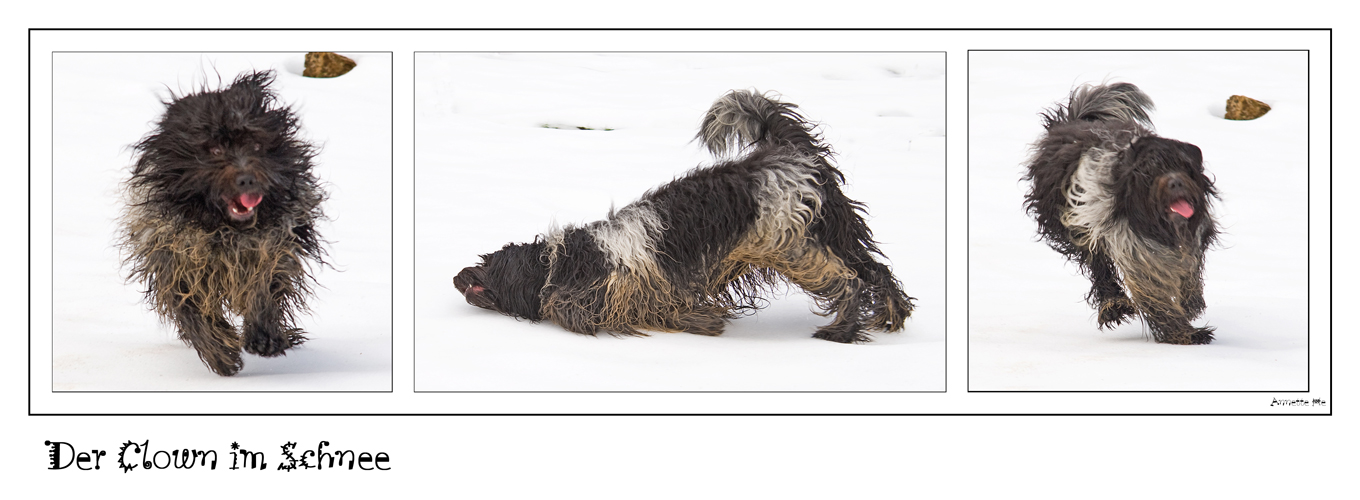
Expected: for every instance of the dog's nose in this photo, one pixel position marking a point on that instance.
(245, 182)
(1175, 182)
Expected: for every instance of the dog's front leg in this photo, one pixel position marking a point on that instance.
(208, 332)
(1176, 328)
(266, 323)
(1192, 292)
(1171, 329)
(1107, 294)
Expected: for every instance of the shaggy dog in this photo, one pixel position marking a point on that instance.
(702, 249)
(220, 221)
(1129, 207)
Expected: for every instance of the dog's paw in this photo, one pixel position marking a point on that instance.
(224, 364)
(845, 333)
(1197, 336)
(1114, 312)
(889, 313)
(709, 324)
(1202, 336)
(268, 345)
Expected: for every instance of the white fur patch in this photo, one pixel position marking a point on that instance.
(1090, 198)
(789, 199)
(628, 237)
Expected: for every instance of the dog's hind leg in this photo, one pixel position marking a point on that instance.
(881, 294)
(835, 287)
(209, 333)
(842, 229)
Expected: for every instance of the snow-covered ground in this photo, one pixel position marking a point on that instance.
(1029, 328)
(500, 157)
(103, 336)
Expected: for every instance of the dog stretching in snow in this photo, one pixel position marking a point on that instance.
(220, 220)
(702, 249)
(1129, 207)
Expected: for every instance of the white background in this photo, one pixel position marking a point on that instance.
(672, 457)
(104, 338)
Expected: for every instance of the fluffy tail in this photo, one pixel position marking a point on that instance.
(748, 118)
(1095, 103)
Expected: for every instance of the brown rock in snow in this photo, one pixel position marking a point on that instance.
(1241, 107)
(326, 65)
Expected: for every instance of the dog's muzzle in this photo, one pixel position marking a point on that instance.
(469, 283)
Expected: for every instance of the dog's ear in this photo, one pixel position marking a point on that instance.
(1193, 155)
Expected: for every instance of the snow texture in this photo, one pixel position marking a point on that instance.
(509, 144)
(104, 338)
(1029, 328)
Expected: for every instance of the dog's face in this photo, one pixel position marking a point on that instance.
(1163, 188)
(224, 157)
(508, 281)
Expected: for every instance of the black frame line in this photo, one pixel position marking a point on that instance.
(392, 97)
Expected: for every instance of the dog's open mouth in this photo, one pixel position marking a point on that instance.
(242, 207)
(1182, 208)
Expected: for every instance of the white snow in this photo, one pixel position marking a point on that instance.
(499, 159)
(104, 338)
(1029, 328)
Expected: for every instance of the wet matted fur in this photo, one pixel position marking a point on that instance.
(220, 221)
(1132, 209)
(704, 248)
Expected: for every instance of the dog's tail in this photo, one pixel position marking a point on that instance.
(1097, 103)
(748, 118)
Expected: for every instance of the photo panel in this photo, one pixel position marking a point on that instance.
(525, 147)
(261, 218)
(1172, 223)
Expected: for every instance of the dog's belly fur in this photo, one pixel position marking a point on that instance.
(221, 270)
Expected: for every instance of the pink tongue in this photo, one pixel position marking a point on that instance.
(249, 200)
(1183, 208)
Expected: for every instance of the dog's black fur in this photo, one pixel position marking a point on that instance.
(702, 249)
(1132, 209)
(220, 221)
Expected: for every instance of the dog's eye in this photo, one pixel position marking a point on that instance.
(215, 151)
